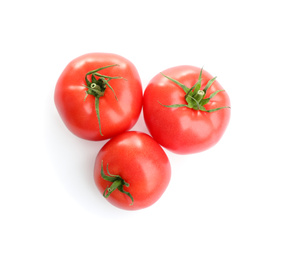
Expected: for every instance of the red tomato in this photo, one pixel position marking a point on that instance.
(99, 95)
(132, 171)
(185, 109)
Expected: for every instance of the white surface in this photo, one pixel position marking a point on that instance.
(225, 203)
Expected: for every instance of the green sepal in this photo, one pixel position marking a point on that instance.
(106, 82)
(206, 100)
(94, 72)
(117, 183)
(120, 188)
(96, 87)
(185, 88)
(190, 91)
(175, 105)
(192, 101)
(195, 96)
(197, 86)
(216, 109)
(97, 100)
(208, 85)
(104, 76)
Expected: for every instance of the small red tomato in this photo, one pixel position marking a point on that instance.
(185, 109)
(132, 171)
(99, 95)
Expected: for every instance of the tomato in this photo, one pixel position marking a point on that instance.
(132, 171)
(99, 95)
(185, 109)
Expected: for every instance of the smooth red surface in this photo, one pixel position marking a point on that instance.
(116, 116)
(184, 130)
(141, 162)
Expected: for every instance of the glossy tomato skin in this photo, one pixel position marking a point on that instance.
(141, 162)
(78, 111)
(184, 130)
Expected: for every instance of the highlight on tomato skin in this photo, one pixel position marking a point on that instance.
(99, 95)
(132, 171)
(186, 110)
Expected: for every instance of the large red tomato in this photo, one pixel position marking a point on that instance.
(185, 109)
(99, 95)
(132, 171)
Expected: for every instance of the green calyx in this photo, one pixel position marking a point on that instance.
(194, 96)
(117, 183)
(97, 86)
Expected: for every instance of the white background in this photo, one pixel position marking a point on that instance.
(224, 203)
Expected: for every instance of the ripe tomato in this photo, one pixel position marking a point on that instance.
(185, 109)
(132, 171)
(99, 95)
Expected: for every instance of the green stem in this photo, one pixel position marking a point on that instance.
(199, 95)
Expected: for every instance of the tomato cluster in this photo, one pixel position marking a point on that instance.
(99, 96)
